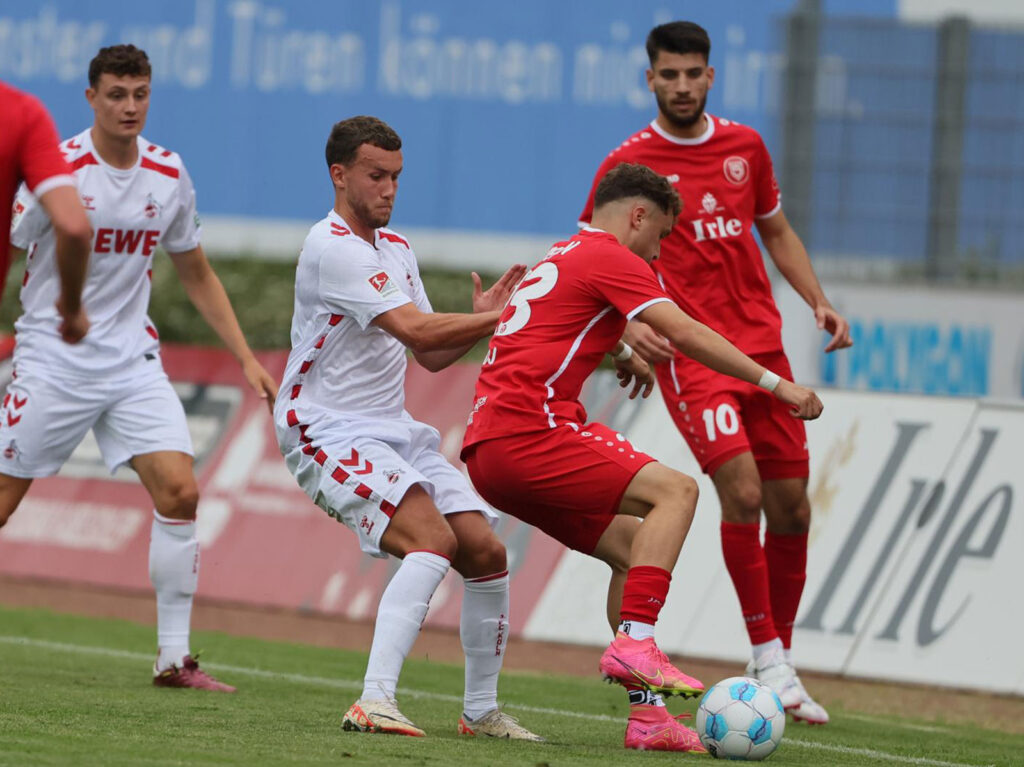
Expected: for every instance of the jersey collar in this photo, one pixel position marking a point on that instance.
(701, 139)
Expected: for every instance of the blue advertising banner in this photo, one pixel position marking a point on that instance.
(505, 109)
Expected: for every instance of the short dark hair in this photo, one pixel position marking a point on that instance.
(678, 37)
(635, 180)
(120, 61)
(348, 135)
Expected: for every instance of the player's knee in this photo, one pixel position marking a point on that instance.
(746, 498)
(484, 557)
(180, 501)
(680, 491)
(797, 520)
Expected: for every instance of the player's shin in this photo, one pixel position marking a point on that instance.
(174, 573)
(403, 606)
(786, 556)
(748, 568)
(484, 630)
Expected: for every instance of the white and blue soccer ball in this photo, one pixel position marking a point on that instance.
(740, 718)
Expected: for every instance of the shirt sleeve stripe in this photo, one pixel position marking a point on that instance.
(644, 305)
(48, 184)
(772, 212)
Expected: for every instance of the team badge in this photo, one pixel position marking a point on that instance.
(152, 206)
(736, 170)
(11, 451)
(393, 475)
(709, 203)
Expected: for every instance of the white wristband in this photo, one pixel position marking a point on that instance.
(625, 354)
(769, 380)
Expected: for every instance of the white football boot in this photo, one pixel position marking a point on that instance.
(773, 669)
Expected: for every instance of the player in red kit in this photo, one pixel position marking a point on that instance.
(29, 153)
(531, 452)
(745, 440)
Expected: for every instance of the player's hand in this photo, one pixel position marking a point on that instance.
(261, 381)
(830, 320)
(73, 325)
(494, 298)
(805, 403)
(648, 342)
(635, 370)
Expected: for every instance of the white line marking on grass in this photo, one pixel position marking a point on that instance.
(892, 723)
(350, 684)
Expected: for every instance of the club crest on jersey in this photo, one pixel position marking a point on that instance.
(392, 475)
(11, 451)
(152, 206)
(382, 284)
(736, 170)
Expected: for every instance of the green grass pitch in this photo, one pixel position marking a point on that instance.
(76, 691)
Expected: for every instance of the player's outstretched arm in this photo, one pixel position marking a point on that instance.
(632, 368)
(697, 340)
(205, 291)
(74, 242)
(790, 256)
(490, 300)
(423, 332)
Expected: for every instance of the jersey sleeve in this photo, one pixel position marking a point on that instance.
(625, 281)
(588, 209)
(419, 292)
(353, 284)
(40, 161)
(766, 187)
(183, 234)
(29, 221)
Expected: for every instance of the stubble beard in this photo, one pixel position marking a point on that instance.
(368, 217)
(676, 120)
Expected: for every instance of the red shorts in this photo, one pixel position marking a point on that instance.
(721, 417)
(565, 482)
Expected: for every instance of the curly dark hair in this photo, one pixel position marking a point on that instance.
(348, 135)
(635, 180)
(120, 61)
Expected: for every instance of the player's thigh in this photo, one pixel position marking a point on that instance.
(417, 525)
(656, 484)
(42, 422)
(777, 439)
(361, 482)
(12, 490)
(567, 482)
(145, 416)
(479, 550)
(170, 481)
(706, 408)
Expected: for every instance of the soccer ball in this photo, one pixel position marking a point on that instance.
(740, 718)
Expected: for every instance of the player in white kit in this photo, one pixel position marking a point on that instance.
(137, 196)
(352, 447)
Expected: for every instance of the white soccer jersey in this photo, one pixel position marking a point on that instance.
(131, 211)
(341, 367)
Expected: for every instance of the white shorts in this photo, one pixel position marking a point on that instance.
(360, 479)
(43, 420)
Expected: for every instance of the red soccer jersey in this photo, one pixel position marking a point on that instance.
(565, 315)
(711, 264)
(29, 153)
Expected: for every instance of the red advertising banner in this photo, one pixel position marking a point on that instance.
(264, 542)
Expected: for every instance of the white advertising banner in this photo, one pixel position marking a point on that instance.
(911, 339)
(913, 573)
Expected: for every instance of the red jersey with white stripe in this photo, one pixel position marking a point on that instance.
(342, 368)
(132, 211)
(564, 316)
(711, 264)
(29, 154)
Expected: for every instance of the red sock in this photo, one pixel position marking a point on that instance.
(745, 561)
(644, 594)
(786, 556)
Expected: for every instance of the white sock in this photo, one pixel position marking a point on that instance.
(483, 629)
(403, 606)
(764, 652)
(637, 630)
(788, 654)
(174, 573)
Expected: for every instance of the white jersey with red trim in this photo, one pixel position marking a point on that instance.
(342, 368)
(132, 211)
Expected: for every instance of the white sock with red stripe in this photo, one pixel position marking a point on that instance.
(483, 629)
(174, 573)
(403, 606)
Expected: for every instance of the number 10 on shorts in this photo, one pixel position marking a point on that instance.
(724, 418)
